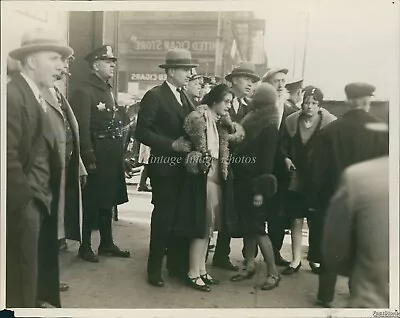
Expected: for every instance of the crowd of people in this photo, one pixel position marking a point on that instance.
(248, 157)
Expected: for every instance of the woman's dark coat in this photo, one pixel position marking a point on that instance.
(192, 208)
(253, 165)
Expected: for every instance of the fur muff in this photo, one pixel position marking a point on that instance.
(195, 127)
(266, 185)
(255, 121)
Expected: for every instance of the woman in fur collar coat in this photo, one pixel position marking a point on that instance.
(207, 198)
(298, 145)
(254, 183)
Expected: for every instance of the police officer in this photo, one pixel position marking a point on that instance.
(100, 130)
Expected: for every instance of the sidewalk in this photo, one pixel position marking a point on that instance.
(121, 283)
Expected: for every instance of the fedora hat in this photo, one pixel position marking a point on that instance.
(178, 58)
(267, 77)
(243, 69)
(39, 39)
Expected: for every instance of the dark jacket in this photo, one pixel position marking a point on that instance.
(192, 208)
(25, 131)
(243, 110)
(160, 123)
(97, 114)
(342, 143)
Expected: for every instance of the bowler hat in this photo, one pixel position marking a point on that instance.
(178, 58)
(359, 90)
(39, 39)
(104, 52)
(294, 85)
(243, 69)
(267, 76)
(265, 94)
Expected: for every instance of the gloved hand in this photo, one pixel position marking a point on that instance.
(181, 145)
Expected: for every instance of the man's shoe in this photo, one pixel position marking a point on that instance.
(64, 287)
(155, 281)
(280, 261)
(324, 304)
(227, 265)
(88, 255)
(144, 189)
(113, 250)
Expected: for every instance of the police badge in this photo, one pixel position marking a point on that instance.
(101, 106)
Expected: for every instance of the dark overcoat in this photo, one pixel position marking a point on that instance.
(342, 143)
(160, 123)
(253, 165)
(98, 114)
(27, 130)
(193, 204)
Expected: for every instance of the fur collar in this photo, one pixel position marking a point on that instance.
(229, 132)
(256, 121)
(293, 119)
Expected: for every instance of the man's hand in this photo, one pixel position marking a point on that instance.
(258, 200)
(83, 180)
(181, 145)
(289, 164)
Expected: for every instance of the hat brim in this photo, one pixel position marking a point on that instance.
(254, 77)
(165, 66)
(20, 53)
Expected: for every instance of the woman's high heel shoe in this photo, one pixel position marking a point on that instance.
(207, 279)
(291, 270)
(271, 285)
(192, 282)
(246, 274)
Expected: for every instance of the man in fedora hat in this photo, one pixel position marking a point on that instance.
(242, 77)
(160, 126)
(294, 89)
(342, 143)
(102, 150)
(33, 174)
(73, 174)
(358, 252)
(278, 221)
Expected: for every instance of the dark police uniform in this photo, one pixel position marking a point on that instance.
(100, 130)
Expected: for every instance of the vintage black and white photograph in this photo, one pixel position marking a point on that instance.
(200, 154)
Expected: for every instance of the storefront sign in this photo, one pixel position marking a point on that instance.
(135, 77)
(165, 45)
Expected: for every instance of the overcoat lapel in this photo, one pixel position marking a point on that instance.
(171, 100)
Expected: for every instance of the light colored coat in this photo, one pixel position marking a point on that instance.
(356, 233)
(57, 120)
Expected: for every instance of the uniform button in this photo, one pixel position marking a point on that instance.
(120, 122)
(113, 137)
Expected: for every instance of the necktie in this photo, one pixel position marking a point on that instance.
(183, 98)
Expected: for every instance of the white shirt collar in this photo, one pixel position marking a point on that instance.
(35, 89)
(174, 91)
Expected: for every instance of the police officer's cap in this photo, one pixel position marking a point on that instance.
(294, 85)
(359, 90)
(104, 52)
